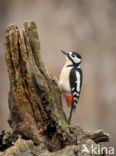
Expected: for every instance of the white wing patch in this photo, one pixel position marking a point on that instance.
(78, 81)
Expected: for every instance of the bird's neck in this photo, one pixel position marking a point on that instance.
(71, 64)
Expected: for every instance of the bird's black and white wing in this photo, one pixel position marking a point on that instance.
(75, 80)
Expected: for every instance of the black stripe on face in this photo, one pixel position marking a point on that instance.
(70, 58)
(74, 54)
(73, 63)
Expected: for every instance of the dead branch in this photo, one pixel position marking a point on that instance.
(34, 99)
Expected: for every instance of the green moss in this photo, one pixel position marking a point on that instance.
(59, 115)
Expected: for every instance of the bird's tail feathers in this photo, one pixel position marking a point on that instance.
(70, 112)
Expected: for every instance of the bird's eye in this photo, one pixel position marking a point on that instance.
(73, 55)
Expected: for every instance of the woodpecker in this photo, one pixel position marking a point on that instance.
(70, 80)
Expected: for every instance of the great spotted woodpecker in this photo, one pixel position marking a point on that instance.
(70, 80)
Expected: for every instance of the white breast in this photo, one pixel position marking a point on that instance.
(64, 79)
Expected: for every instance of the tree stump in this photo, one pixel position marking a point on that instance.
(35, 99)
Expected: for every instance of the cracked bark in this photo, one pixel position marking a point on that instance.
(34, 99)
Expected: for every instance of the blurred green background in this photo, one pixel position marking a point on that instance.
(86, 26)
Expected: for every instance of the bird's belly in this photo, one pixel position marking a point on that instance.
(64, 81)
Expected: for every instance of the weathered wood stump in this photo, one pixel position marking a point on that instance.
(34, 99)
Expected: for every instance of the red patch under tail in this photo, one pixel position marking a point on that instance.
(68, 98)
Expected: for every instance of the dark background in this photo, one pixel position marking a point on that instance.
(86, 26)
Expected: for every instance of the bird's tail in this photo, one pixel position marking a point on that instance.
(70, 113)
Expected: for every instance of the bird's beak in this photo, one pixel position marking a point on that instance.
(65, 53)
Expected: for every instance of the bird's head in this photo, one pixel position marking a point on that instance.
(73, 57)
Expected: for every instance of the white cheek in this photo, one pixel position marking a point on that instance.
(77, 60)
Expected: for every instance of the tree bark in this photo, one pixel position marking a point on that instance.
(35, 99)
